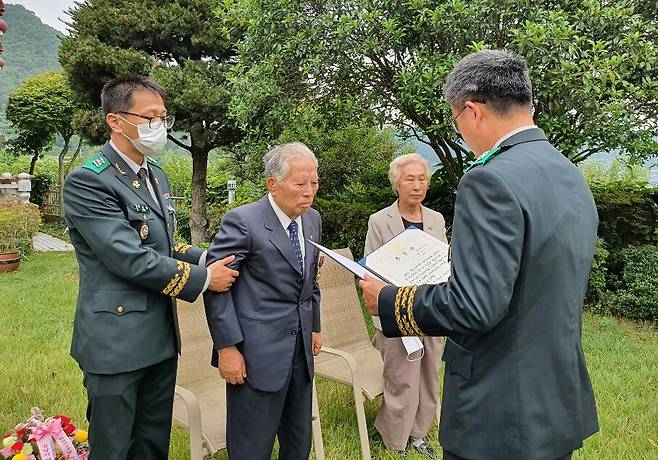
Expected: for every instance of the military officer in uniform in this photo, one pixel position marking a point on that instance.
(516, 384)
(121, 221)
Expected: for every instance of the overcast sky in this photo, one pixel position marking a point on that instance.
(48, 10)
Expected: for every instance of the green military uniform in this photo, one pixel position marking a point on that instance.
(125, 334)
(516, 384)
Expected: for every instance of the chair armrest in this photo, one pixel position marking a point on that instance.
(351, 362)
(191, 403)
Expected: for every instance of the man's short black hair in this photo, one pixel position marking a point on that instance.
(496, 77)
(117, 93)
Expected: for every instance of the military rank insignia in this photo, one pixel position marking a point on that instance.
(136, 183)
(97, 164)
(182, 248)
(119, 170)
(178, 280)
(404, 311)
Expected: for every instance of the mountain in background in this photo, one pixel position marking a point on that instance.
(30, 49)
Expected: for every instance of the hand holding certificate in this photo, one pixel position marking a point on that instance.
(411, 258)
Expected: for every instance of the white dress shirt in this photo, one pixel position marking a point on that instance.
(507, 136)
(136, 167)
(285, 222)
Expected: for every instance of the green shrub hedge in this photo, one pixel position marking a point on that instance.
(19, 222)
(636, 293)
(627, 214)
(598, 277)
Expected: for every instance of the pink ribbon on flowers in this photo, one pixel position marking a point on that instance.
(45, 433)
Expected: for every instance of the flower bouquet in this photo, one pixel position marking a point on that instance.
(55, 438)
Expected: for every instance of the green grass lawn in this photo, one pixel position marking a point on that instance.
(36, 312)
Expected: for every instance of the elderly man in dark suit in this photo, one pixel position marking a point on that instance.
(121, 220)
(516, 385)
(266, 329)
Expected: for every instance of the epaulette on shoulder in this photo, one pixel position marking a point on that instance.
(153, 162)
(97, 163)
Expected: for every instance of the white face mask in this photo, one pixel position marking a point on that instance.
(150, 140)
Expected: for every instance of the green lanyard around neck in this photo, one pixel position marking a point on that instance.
(484, 158)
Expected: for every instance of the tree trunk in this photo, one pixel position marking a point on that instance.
(60, 169)
(73, 158)
(33, 163)
(198, 221)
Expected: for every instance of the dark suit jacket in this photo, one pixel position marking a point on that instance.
(271, 299)
(126, 313)
(516, 385)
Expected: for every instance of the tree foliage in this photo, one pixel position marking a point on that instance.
(594, 64)
(30, 49)
(185, 46)
(42, 107)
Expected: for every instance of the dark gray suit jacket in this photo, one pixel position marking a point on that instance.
(129, 277)
(516, 385)
(271, 299)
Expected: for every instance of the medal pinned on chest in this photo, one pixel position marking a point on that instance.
(144, 231)
(144, 228)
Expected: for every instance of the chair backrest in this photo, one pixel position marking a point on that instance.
(341, 316)
(196, 346)
(197, 375)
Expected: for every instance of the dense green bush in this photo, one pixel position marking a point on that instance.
(627, 214)
(19, 222)
(344, 224)
(636, 297)
(178, 167)
(41, 184)
(345, 215)
(624, 263)
(598, 277)
(441, 198)
(247, 192)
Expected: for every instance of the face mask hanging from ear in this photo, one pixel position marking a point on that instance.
(414, 348)
(150, 140)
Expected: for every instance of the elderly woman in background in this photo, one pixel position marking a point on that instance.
(411, 386)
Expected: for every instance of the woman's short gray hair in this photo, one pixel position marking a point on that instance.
(395, 169)
(495, 77)
(276, 160)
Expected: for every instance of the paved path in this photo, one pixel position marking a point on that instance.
(43, 242)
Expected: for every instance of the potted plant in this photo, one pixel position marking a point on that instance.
(19, 222)
(10, 255)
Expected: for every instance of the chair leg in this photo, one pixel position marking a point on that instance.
(358, 398)
(318, 444)
(194, 419)
(361, 420)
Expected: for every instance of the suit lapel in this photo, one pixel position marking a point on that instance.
(129, 178)
(428, 222)
(309, 234)
(394, 221)
(163, 207)
(278, 237)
